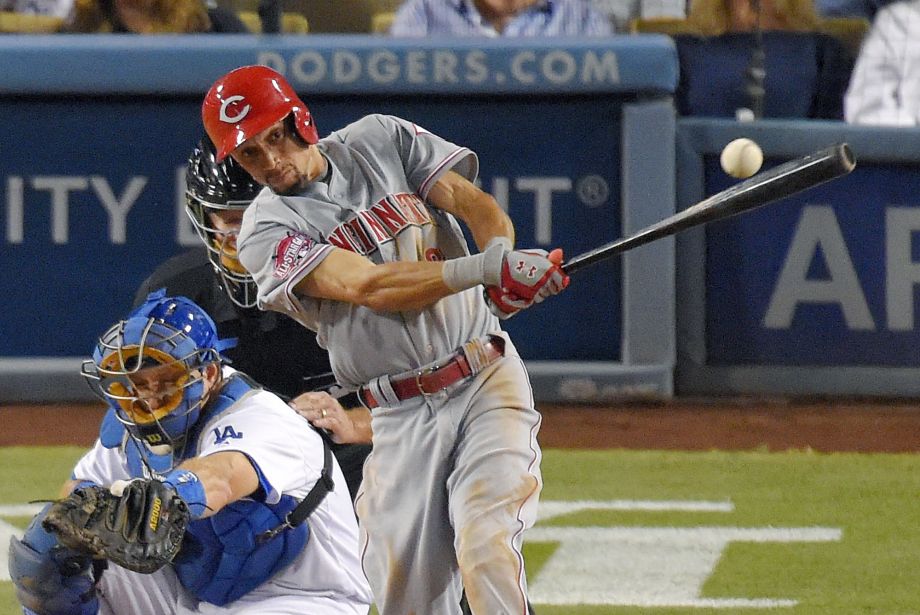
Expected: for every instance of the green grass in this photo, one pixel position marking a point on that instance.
(870, 498)
(26, 474)
(34, 472)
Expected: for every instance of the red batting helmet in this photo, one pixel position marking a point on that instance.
(246, 101)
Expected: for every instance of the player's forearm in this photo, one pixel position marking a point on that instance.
(388, 287)
(404, 286)
(488, 222)
(399, 286)
(477, 209)
(226, 478)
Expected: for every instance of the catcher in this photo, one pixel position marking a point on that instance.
(204, 493)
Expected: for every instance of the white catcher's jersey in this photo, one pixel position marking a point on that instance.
(373, 203)
(288, 456)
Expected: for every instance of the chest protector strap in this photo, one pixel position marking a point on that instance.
(307, 505)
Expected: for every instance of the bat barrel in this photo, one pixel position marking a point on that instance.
(781, 181)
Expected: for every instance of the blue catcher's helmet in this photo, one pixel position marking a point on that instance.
(150, 368)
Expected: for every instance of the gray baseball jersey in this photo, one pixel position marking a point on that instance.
(454, 476)
(382, 169)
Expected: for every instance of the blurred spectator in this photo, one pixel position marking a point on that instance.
(51, 8)
(622, 12)
(885, 88)
(150, 17)
(760, 59)
(499, 18)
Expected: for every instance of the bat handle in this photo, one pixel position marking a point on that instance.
(570, 267)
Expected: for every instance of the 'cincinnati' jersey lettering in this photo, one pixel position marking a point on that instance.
(368, 229)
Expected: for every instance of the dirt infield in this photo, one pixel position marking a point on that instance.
(735, 424)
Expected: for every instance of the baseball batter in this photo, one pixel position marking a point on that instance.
(240, 459)
(358, 239)
(275, 351)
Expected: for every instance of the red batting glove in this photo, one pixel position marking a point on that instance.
(533, 275)
(502, 304)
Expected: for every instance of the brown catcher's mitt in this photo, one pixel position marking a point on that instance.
(141, 530)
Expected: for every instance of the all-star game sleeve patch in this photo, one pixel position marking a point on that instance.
(290, 252)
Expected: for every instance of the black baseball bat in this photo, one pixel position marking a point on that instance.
(771, 185)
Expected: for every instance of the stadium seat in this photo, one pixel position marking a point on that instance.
(342, 16)
(291, 23)
(23, 23)
(660, 25)
(848, 30)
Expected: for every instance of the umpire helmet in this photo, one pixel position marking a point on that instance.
(177, 338)
(246, 101)
(213, 187)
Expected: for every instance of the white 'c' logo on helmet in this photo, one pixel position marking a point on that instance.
(235, 118)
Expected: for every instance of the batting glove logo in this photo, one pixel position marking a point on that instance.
(522, 267)
(231, 101)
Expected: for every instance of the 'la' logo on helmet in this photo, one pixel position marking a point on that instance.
(233, 119)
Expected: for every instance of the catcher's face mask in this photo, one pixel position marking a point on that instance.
(218, 226)
(216, 195)
(150, 392)
(151, 367)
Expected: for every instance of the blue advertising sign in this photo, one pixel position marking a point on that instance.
(91, 202)
(339, 65)
(827, 278)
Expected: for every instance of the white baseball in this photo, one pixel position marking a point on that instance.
(741, 158)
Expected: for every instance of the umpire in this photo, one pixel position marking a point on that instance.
(278, 353)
